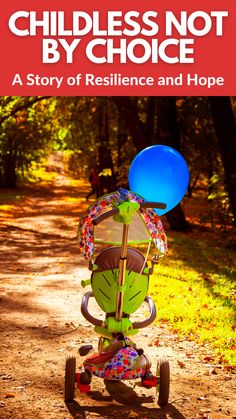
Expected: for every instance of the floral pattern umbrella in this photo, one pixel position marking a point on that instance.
(105, 203)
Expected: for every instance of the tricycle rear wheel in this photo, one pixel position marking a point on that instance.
(163, 385)
(70, 378)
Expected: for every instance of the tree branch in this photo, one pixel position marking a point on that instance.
(20, 107)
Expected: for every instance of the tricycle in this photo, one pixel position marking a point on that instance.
(119, 285)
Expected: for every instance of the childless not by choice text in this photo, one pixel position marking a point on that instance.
(131, 36)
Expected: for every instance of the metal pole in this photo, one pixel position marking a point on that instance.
(122, 271)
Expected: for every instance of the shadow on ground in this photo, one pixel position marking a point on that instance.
(121, 401)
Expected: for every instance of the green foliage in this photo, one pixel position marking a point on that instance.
(219, 212)
(194, 290)
(39, 172)
(25, 135)
(76, 124)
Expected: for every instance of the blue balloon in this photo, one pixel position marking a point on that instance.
(159, 173)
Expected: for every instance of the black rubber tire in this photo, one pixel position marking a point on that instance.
(163, 386)
(70, 379)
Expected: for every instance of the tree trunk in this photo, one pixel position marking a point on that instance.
(9, 172)
(107, 180)
(9, 165)
(130, 116)
(121, 138)
(168, 134)
(168, 131)
(151, 126)
(177, 220)
(225, 130)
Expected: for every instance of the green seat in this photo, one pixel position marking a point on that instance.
(109, 259)
(104, 280)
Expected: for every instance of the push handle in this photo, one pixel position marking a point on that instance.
(114, 211)
(84, 310)
(151, 318)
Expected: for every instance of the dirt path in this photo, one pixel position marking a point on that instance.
(41, 325)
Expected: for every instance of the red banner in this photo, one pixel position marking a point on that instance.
(88, 48)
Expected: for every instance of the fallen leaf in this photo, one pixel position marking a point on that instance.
(190, 355)
(209, 279)
(9, 395)
(181, 364)
(208, 358)
(212, 371)
(227, 377)
(230, 368)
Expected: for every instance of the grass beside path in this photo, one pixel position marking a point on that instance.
(194, 291)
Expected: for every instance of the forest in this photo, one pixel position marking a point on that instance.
(110, 131)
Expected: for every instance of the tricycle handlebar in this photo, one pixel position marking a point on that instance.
(105, 215)
(159, 205)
